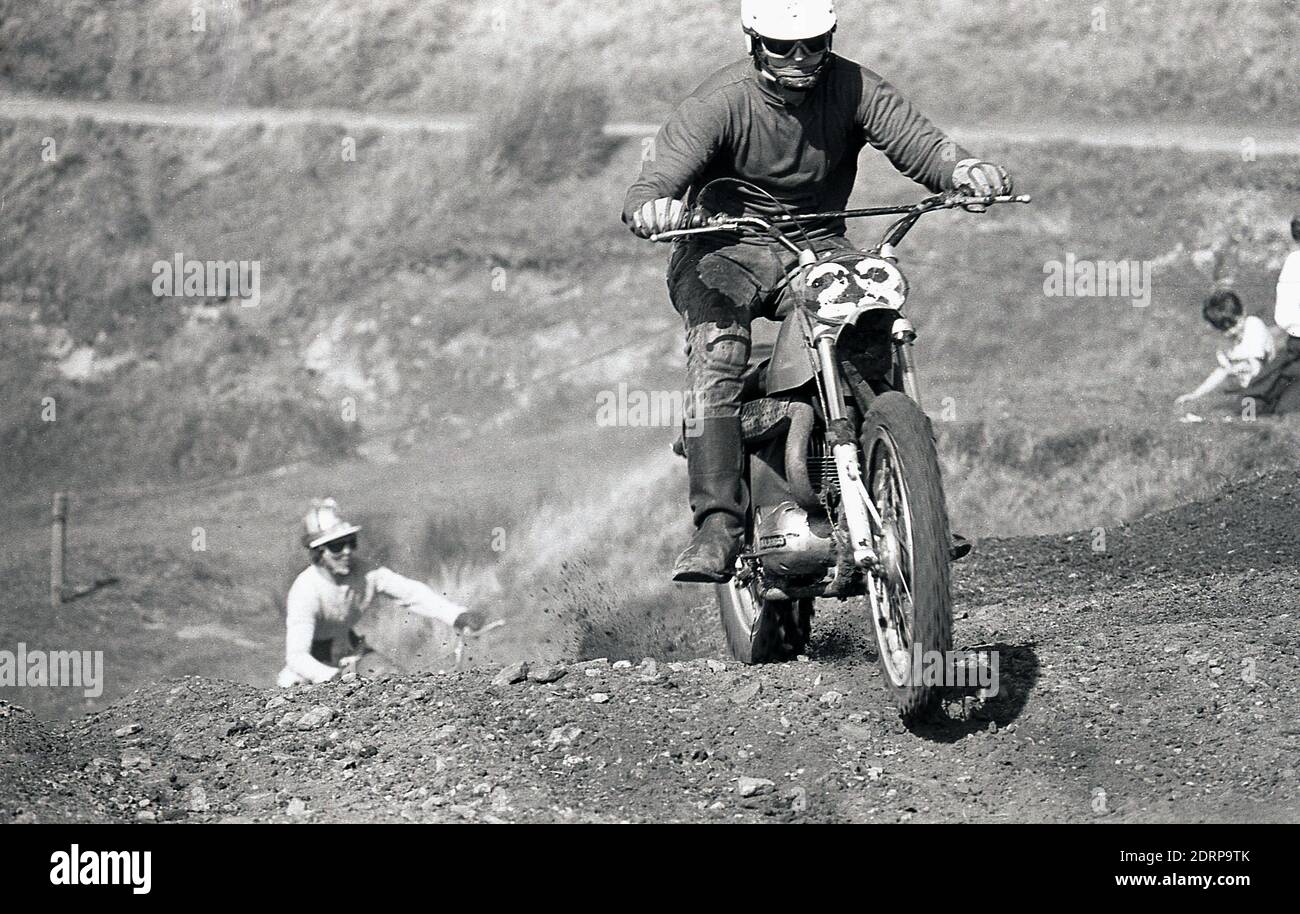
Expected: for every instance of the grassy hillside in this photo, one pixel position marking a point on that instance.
(1018, 59)
(418, 285)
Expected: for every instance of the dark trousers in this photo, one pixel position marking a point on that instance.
(719, 290)
(326, 651)
(1277, 390)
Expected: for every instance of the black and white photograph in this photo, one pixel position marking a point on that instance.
(672, 412)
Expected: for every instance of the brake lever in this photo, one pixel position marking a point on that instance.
(988, 200)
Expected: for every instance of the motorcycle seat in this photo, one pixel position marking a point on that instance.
(760, 420)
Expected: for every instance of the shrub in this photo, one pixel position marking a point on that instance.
(551, 128)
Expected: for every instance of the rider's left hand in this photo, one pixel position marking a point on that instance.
(981, 179)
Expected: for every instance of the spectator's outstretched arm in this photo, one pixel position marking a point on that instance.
(300, 629)
(418, 598)
(1217, 377)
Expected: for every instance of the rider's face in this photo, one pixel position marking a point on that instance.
(337, 556)
(796, 59)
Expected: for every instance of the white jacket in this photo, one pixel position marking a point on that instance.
(320, 608)
(1254, 348)
(1287, 312)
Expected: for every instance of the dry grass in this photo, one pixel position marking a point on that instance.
(547, 129)
(1176, 59)
(1017, 481)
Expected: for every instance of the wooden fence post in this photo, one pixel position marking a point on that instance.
(58, 547)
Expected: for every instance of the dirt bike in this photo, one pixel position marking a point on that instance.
(834, 430)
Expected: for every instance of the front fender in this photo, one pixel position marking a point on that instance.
(865, 339)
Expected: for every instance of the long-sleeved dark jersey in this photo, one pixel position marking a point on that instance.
(806, 156)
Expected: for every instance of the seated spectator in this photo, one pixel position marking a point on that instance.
(1252, 344)
(1277, 390)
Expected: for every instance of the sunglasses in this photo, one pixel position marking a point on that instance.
(337, 546)
(779, 48)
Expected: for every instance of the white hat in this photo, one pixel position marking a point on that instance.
(322, 524)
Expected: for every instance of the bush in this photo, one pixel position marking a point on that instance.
(552, 128)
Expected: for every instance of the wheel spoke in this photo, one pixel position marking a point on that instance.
(909, 586)
(891, 591)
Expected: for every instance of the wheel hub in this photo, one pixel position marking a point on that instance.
(889, 553)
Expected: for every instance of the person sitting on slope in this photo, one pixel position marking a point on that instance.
(1252, 344)
(331, 595)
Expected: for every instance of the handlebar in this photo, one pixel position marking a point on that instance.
(910, 213)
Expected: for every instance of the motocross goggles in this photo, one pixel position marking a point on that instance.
(777, 47)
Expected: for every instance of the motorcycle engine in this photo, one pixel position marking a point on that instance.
(790, 543)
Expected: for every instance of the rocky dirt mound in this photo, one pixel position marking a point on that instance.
(1150, 681)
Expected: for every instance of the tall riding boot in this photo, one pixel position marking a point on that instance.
(714, 455)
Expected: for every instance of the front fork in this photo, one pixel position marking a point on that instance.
(903, 335)
(860, 514)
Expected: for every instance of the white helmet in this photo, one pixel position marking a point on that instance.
(767, 22)
(322, 524)
(787, 20)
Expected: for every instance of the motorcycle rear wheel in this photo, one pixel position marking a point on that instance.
(911, 602)
(761, 630)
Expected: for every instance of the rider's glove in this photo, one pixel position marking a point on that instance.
(662, 215)
(981, 179)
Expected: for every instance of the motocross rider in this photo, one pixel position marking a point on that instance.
(329, 597)
(790, 118)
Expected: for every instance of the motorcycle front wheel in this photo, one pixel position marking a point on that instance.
(911, 598)
(761, 630)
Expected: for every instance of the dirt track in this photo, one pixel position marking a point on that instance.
(1194, 137)
(1153, 681)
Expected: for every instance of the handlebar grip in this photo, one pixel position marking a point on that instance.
(697, 218)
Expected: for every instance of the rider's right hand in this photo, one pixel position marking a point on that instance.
(662, 215)
(981, 179)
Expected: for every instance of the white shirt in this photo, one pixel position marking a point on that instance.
(1287, 313)
(320, 608)
(1254, 347)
